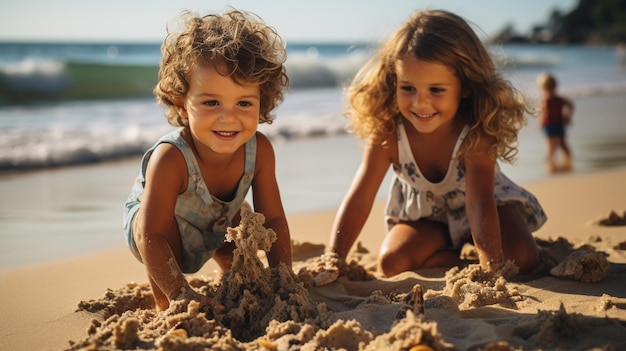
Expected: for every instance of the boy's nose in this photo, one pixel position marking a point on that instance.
(226, 114)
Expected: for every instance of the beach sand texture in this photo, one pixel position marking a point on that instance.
(102, 301)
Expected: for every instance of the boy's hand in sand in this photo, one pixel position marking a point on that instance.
(180, 302)
(327, 270)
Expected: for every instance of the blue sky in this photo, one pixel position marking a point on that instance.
(330, 20)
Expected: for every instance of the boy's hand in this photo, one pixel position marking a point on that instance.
(180, 302)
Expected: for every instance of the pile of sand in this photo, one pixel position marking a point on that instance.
(276, 309)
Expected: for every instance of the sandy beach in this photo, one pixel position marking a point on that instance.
(40, 302)
(76, 114)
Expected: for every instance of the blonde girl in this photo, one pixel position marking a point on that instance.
(431, 105)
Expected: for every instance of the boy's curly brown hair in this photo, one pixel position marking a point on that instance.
(239, 44)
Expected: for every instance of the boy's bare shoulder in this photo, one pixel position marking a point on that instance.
(166, 153)
(263, 143)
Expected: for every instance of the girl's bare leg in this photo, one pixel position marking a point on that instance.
(518, 244)
(410, 246)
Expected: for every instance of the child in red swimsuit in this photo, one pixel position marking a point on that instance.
(556, 113)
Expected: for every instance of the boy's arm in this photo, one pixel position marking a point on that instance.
(482, 212)
(267, 200)
(155, 220)
(359, 200)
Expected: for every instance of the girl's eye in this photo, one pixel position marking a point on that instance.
(407, 88)
(436, 90)
(245, 103)
(211, 103)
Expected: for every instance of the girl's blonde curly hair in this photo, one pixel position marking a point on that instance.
(494, 109)
(239, 45)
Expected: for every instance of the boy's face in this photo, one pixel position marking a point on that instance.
(223, 115)
(428, 94)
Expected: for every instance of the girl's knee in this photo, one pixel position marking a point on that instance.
(527, 259)
(390, 264)
(525, 255)
(518, 242)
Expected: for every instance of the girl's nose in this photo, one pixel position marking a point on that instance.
(419, 98)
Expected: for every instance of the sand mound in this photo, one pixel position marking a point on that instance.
(276, 309)
(265, 308)
(473, 287)
(613, 219)
(584, 266)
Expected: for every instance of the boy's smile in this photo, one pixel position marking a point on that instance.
(222, 114)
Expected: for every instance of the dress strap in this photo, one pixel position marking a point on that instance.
(404, 148)
(459, 141)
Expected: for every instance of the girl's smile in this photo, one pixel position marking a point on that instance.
(428, 93)
(426, 116)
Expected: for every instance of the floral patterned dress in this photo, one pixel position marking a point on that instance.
(412, 196)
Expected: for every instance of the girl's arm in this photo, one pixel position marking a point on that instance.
(481, 207)
(156, 226)
(266, 198)
(358, 203)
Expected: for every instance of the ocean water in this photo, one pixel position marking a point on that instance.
(65, 104)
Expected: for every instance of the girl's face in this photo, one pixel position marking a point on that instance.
(223, 115)
(428, 94)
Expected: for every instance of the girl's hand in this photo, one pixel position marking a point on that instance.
(327, 270)
(492, 266)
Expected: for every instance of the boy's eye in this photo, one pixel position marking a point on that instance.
(245, 103)
(436, 90)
